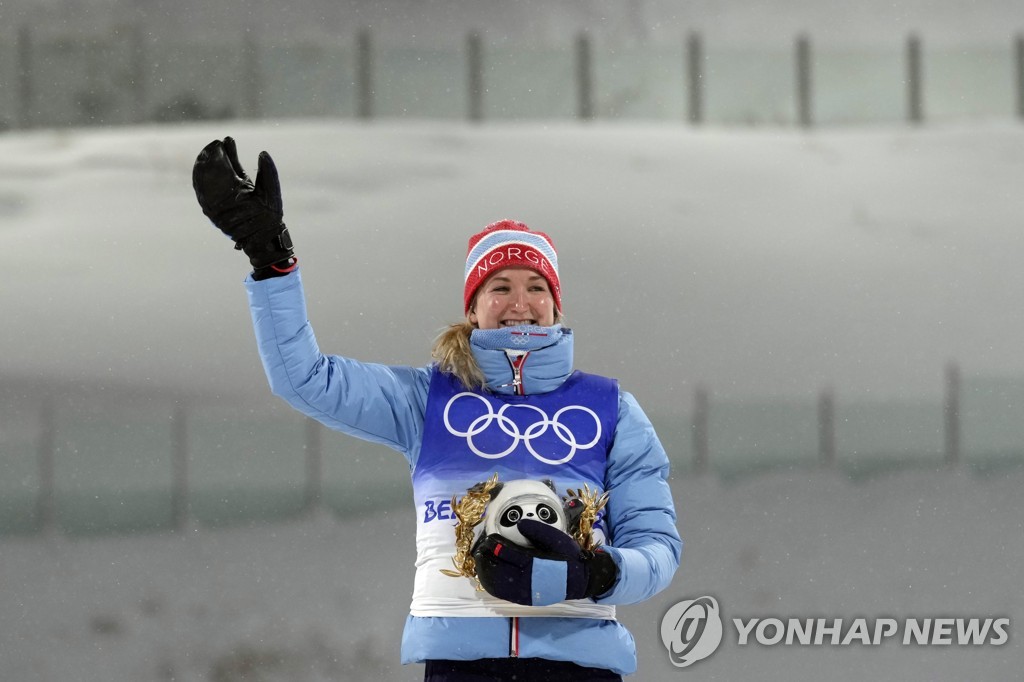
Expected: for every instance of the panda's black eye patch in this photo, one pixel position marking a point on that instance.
(511, 516)
(546, 514)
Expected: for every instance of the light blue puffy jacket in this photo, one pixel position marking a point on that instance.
(386, 404)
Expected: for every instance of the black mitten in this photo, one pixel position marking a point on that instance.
(553, 570)
(250, 213)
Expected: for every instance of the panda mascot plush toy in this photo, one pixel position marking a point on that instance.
(527, 552)
(524, 499)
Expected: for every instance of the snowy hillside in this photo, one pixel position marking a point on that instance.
(765, 262)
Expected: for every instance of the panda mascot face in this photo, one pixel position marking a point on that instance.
(523, 499)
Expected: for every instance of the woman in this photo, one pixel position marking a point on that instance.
(501, 397)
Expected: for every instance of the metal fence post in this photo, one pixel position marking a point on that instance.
(584, 78)
(252, 78)
(804, 82)
(46, 451)
(364, 75)
(951, 414)
(474, 64)
(915, 68)
(695, 77)
(26, 78)
(179, 442)
(314, 465)
(827, 427)
(701, 410)
(1019, 71)
(139, 58)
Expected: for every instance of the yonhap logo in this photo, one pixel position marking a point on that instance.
(507, 434)
(691, 630)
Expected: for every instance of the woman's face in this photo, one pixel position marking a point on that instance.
(511, 297)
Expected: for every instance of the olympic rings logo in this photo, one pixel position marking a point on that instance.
(527, 436)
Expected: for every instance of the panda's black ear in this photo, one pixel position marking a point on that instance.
(551, 484)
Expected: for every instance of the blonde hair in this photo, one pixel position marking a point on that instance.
(453, 355)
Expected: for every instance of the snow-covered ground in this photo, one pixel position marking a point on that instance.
(318, 599)
(762, 262)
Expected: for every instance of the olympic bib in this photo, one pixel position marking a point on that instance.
(468, 436)
(506, 424)
(562, 434)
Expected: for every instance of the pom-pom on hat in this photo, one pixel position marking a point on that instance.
(510, 244)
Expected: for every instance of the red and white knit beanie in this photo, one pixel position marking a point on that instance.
(510, 244)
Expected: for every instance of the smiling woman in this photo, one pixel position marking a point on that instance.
(501, 402)
(512, 297)
(511, 280)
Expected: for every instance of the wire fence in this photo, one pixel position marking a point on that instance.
(977, 424)
(127, 76)
(88, 460)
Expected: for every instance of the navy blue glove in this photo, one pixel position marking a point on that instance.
(251, 213)
(553, 570)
